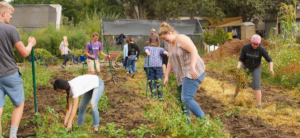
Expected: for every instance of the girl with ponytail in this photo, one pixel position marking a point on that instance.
(91, 88)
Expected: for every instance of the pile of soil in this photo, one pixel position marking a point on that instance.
(229, 48)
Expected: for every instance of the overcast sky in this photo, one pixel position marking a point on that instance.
(7, 0)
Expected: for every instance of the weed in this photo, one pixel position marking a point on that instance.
(110, 131)
(139, 133)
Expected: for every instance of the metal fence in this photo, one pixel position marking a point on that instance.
(140, 31)
(140, 41)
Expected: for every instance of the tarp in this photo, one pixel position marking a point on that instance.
(30, 17)
(225, 21)
(143, 27)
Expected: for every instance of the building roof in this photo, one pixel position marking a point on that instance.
(233, 21)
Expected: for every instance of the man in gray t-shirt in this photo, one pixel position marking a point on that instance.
(10, 77)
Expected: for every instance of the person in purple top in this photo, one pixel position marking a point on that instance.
(155, 67)
(90, 56)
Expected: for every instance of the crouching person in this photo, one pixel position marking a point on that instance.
(155, 55)
(91, 88)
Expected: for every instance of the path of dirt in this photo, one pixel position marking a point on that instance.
(239, 125)
(126, 104)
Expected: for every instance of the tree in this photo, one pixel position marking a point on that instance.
(140, 5)
(165, 9)
(192, 7)
(77, 9)
(220, 36)
(218, 9)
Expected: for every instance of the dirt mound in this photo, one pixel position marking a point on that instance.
(230, 48)
(238, 125)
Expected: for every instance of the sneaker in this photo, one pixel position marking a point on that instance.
(132, 74)
(62, 66)
(127, 73)
(96, 132)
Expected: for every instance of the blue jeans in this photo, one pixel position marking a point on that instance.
(155, 73)
(131, 61)
(186, 95)
(94, 95)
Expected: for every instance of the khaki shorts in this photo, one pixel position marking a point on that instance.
(91, 66)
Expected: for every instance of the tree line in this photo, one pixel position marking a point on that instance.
(166, 9)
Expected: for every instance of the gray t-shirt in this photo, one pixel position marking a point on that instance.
(8, 37)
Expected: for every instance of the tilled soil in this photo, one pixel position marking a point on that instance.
(46, 96)
(239, 125)
(127, 104)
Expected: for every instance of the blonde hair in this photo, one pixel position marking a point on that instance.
(165, 28)
(65, 40)
(5, 5)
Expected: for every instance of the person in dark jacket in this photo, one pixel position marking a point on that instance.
(250, 58)
(120, 39)
(133, 55)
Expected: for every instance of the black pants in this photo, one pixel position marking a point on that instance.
(165, 59)
(65, 60)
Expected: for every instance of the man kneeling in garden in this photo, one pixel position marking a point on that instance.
(91, 88)
(11, 83)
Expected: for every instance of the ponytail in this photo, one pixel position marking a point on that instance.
(67, 98)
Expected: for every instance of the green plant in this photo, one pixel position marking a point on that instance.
(208, 37)
(44, 55)
(169, 119)
(78, 52)
(221, 36)
(119, 57)
(103, 103)
(110, 131)
(139, 133)
(49, 127)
